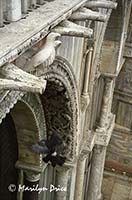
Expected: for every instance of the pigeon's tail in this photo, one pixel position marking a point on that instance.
(55, 160)
(60, 160)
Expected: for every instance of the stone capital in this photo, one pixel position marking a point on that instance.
(103, 135)
(32, 176)
(84, 102)
(87, 145)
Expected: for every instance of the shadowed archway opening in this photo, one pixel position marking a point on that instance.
(8, 158)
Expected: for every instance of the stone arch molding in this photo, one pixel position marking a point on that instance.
(62, 87)
(60, 73)
(8, 100)
(33, 103)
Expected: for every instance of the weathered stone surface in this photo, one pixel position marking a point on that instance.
(71, 29)
(101, 4)
(96, 174)
(26, 32)
(87, 14)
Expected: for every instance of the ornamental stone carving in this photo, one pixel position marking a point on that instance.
(7, 101)
(60, 102)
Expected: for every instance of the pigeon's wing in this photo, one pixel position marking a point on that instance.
(60, 149)
(47, 158)
(57, 160)
(40, 149)
(60, 160)
(53, 161)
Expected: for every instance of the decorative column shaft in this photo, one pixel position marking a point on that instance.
(31, 181)
(107, 101)
(84, 104)
(99, 151)
(96, 173)
(62, 176)
(1, 13)
(79, 179)
(13, 10)
(87, 71)
(24, 6)
(85, 95)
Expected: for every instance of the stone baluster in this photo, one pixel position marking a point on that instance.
(24, 6)
(41, 2)
(1, 13)
(33, 3)
(13, 10)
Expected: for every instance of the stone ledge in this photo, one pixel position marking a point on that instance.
(27, 32)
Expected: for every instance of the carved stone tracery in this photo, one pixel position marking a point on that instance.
(60, 102)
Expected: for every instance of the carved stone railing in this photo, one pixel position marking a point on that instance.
(14, 10)
(39, 23)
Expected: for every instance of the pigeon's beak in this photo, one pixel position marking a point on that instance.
(58, 36)
(54, 35)
(57, 43)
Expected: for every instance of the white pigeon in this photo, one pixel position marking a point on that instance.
(46, 54)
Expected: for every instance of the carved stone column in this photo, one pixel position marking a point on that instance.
(96, 173)
(79, 179)
(99, 151)
(31, 181)
(13, 10)
(107, 101)
(83, 137)
(62, 177)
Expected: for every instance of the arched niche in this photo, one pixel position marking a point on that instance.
(8, 158)
(114, 39)
(30, 126)
(60, 103)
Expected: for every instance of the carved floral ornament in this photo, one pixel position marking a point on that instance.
(60, 102)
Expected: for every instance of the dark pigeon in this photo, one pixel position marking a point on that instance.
(53, 148)
(40, 147)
